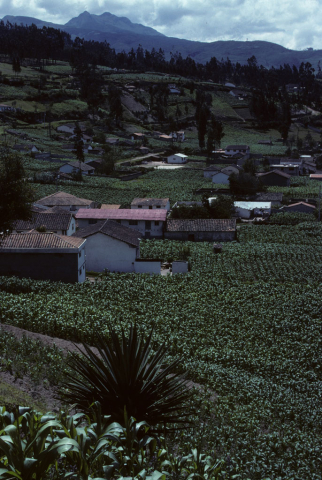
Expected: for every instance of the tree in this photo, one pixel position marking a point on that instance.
(108, 161)
(249, 166)
(127, 375)
(221, 207)
(244, 184)
(114, 99)
(16, 194)
(215, 133)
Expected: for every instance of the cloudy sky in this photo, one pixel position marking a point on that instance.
(294, 24)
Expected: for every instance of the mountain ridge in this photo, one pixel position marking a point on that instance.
(122, 34)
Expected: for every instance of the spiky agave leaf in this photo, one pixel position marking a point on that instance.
(127, 374)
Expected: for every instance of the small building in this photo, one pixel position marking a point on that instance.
(250, 209)
(301, 207)
(240, 149)
(6, 108)
(201, 230)
(43, 256)
(67, 129)
(110, 246)
(275, 178)
(177, 158)
(166, 138)
(61, 223)
(66, 201)
(76, 167)
(221, 177)
(275, 198)
(150, 223)
(151, 203)
(316, 176)
(289, 168)
(209, 172)
(231, 169)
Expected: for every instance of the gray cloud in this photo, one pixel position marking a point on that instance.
(291, 23)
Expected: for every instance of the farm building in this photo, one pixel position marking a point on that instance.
(61, 223)
(275, 178)
(43, 256)
(221, 177)
(240, 149)
(301, 207)
(248, 209)
(149, 223)
(201, 230)
(209, 172)
(151, 203)
(177, 158)
(316, 176)
(275, 198)
(76, 167)
(66, 201)
(110, 246)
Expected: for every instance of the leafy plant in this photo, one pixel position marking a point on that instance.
(126, 374)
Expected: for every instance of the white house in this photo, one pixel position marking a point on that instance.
(221, 177)
(76, 167)
(149, 223)
(246, 209)
(177, 158)
(61, 223)
(151, 203)
(110, 246)
(233, 149)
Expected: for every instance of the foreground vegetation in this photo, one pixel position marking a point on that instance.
(246, 325)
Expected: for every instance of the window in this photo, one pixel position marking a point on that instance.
(139, 206)
(133, 222)
(158, 206)
(80, 271)
(148, 225)
(92, 221)
(150, 207)
(156, 224)
(80, 254)
(73, 227)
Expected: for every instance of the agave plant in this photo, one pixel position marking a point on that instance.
(127, 375)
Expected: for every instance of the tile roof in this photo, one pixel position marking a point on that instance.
(201, 225)
(111, 229)
(52, 221)
(150, 201)
(122, 214)
(63, 199)
(39, 241)
(276, 172)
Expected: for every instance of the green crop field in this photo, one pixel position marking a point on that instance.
(245, 323)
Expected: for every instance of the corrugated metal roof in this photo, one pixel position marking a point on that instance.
(252, 205)
(39, 241)
(112, 229)
(122, 214)
(201, 225)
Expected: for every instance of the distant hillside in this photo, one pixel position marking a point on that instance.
(122, 34)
